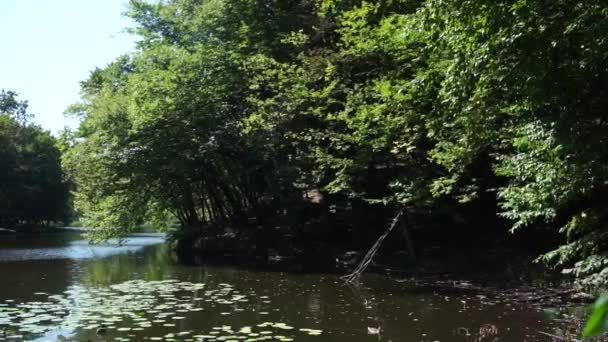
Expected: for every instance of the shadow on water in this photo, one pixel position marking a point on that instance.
(238, 301)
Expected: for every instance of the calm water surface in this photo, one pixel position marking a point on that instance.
(73, 292)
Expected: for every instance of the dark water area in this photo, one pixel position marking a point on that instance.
(60, 288)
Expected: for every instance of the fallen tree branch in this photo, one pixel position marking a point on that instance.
(356, 274)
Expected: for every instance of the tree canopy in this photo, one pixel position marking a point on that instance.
(33, 190)
(232, 107)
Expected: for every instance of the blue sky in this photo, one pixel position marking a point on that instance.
(49, 46)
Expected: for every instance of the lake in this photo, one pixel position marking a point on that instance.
(60, 288)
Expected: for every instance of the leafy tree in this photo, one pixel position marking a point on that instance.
(161, 129)
(230, 108)
(522, 82)
(32, 186)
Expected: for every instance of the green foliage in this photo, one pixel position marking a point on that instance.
(162, 129)
(233, 107)
(33, 190)
(597, 323)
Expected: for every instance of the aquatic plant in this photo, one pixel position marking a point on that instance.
(134, 306)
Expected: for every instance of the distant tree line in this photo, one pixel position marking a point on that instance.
(229, 108)
(33, 190)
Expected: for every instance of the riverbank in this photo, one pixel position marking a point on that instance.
(31, 230)
(509, 275)
(491, 262)
(40, 230)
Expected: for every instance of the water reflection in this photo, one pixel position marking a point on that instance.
(72, 249)
(151, 263)
(399, 312)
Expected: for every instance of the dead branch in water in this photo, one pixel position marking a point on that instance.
(356, 274)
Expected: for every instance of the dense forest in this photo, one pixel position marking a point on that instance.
(33, 189)
(476, 113)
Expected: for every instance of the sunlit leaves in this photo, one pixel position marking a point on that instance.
(392, 102)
